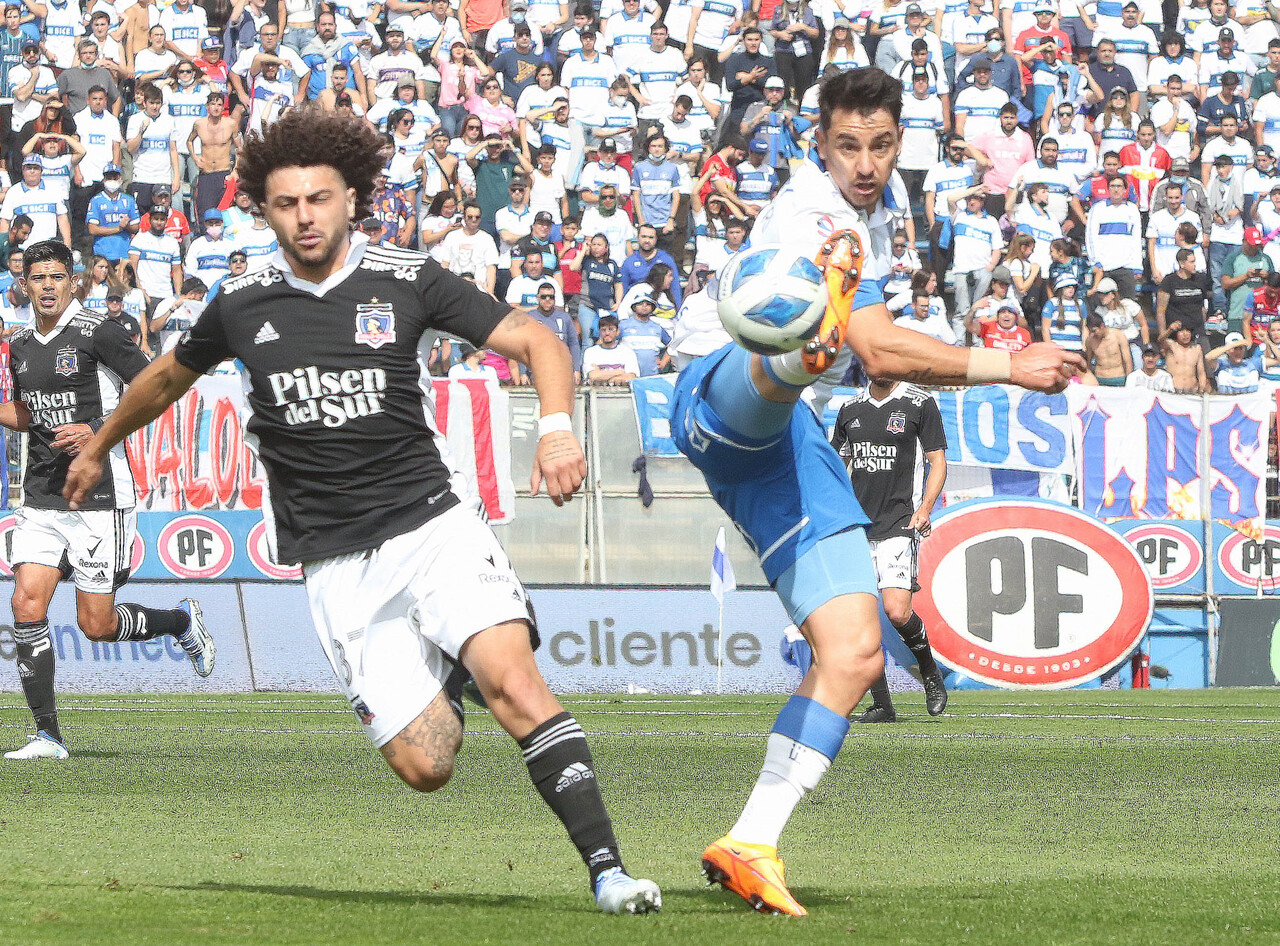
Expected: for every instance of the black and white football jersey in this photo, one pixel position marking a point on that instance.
(73, 375)
(878, 440)
(338, 417)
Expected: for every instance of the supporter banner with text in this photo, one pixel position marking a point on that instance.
(1138, 453)
(194, 457)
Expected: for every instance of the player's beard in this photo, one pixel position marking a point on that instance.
(322, 253)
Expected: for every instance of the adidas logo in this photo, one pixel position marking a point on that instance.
(578, 772)
(857, 422)
(266, 334)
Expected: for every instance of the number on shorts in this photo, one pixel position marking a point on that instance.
(340, 656)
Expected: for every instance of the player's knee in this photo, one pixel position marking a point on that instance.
(26, 607)
(851, 666)
(426, 774)
(97, 627)
(517, 687)
(897, 612)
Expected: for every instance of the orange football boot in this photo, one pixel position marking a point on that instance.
(841, 258)
(753, 872)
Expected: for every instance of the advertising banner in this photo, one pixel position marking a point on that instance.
(1138, 453)
(194, 457)
(1026, 594)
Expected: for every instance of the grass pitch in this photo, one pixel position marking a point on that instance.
(1090, 817)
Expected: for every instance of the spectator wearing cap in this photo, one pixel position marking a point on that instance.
(34, 198)
(775, 121)
(176, 223)
(1258, 181)
(385, 70)
(1244, 271)
(977, 109)
(1228, 143)
(745, 74)
(1113, 237)
(645, 337)
(906, 42)
(922, 121)
(32, 86)
(157, 259)
(654, 74)
(206, 257)
(606, 169)
(795, 33)
(215, 69)
(517, 65)
(1194, 196)
(843, 48)
(1176, 121)
(1236, 370)
(1266, 213)
(59, 156)
(627, 34)
(609, 362)
(112, 217)
(1008, 148)
(494, 163)
(1215, 64)
(607, 218)
(1029, 43)
(1106, 75)
(539, 243)
(570, 40)
(1062, 319)
(237, 265)
(1225, 101)
(512, 222)
(327, 49)
(757, 182)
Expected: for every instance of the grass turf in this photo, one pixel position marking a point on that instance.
(1087, 817)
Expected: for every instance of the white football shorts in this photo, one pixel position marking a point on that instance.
(96, 543)
(895, 559)
(393, 619)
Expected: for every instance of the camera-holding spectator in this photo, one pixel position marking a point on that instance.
(471, 252)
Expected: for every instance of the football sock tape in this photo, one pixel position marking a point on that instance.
(36, 670)
(561, 768)
(136, 623)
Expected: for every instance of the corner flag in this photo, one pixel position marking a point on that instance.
(722, 579)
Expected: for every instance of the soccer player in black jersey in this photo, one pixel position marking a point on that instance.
(404, 581)
(877, 435)
(68, 368)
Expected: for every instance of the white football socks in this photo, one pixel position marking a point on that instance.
(789, 369)
(790, 771)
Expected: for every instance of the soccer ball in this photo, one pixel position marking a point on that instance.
(771, 298)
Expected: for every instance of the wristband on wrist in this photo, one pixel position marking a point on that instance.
(554, 423)
(989, 366)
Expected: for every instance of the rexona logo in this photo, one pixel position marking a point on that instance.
(260, 555)
(1172, 554)
(1250, 562)
(1030, 594)
(195, 547)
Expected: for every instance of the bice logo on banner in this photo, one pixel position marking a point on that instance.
(1031, 594)
(1252, 562)
(195, 547)
(1172, 555)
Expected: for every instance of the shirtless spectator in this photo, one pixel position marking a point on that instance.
(1108, 352)
(1184, 359)
(337, 87)
(217, 132)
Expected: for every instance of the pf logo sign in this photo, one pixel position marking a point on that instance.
(195, 547)
(1171, 553)
(1031, 595)
(1252, 562)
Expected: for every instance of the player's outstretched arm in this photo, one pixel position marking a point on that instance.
(15, 416)
(559, 459)
(893, 352)
(155, 388)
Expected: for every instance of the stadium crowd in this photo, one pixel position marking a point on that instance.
(1100, 174)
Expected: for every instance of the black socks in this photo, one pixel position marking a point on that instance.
(35, 668)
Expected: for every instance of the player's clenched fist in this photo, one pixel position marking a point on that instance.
(559, 463)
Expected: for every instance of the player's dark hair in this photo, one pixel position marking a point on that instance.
(47, 251)
(863, 91)
(313, 138)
